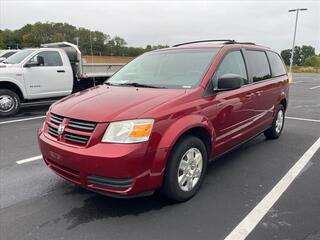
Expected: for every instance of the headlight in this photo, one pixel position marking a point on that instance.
(131, 131)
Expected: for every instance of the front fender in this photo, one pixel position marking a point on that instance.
(182, 125)
(169, 139)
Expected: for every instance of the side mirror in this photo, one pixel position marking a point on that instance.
(229, 82)
(2, 59)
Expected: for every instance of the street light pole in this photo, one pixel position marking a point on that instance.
(294, 34)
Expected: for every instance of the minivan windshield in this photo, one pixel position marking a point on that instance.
(166, 69)
(19, 56)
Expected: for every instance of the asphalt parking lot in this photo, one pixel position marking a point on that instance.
(37, 204)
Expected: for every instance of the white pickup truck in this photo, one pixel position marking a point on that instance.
(35, 76)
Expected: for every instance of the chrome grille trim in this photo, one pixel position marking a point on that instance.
(76, 138)
(53, 131)
(83, 128)
(82, 125)
(56, 119)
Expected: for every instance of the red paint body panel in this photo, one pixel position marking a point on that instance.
(229, 117)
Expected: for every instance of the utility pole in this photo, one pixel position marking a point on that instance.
(294, 34)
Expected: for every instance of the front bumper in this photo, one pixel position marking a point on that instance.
(112, 169)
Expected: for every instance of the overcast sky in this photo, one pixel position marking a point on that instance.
(169, 22)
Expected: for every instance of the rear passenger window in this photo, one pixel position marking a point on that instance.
(259, 65)
(277, 66)
(233, 63)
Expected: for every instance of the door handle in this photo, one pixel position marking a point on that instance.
(249, 95)
(259, 92)
(60, 71)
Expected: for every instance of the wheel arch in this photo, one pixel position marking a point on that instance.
(13, 87)
(199, 132)
(284, 103)
(195, 125)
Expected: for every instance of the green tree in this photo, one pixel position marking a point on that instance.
(299, 55)
(2, 43)
(33, 35)
(307, 51)
(313, 61)
(286, 55)
(118, 46)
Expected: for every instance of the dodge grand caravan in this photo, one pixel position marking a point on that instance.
(158, 121)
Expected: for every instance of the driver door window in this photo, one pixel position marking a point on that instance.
(50, 58)
(233, 63)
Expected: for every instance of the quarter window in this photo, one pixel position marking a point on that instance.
(233, 63)
(277, 66)
(51, 58)
(259, 65)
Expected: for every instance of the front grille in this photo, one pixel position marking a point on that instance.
(53, 131)
(81, 125)
(112, 183)
(56, 119)
(76, 138)
(76, 131)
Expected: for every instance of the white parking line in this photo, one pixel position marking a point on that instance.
(254, 217)
(314, 87)
(21, 120)
(29, 159)
(304, 119)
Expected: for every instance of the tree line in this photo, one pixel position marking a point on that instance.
(302, 56)
(33, 35)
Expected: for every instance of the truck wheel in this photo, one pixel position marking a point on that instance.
(185, 170)
(9, 103)
(277, 126)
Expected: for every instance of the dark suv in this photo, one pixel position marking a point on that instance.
(158, 121)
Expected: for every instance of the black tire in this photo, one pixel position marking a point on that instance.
(171, 188)
(272, 132)
(13, 109)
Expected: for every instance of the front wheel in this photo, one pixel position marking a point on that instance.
(9, 103)
(185, 169)
(277, 126)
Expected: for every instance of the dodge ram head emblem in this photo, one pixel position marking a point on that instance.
(61, 129)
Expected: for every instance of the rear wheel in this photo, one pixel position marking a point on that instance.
(9, 103)
(185, 169)
(277, 126)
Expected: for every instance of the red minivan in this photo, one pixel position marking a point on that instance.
(158, 121)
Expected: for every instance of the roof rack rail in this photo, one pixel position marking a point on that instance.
(226, 41)
(248, 43)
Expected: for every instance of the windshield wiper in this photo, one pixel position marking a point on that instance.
(135, 84)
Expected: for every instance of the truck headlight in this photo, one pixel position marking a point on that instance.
(131, 131)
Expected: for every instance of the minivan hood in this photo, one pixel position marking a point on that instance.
(112, 103)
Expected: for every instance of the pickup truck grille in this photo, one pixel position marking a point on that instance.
(75, 131)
